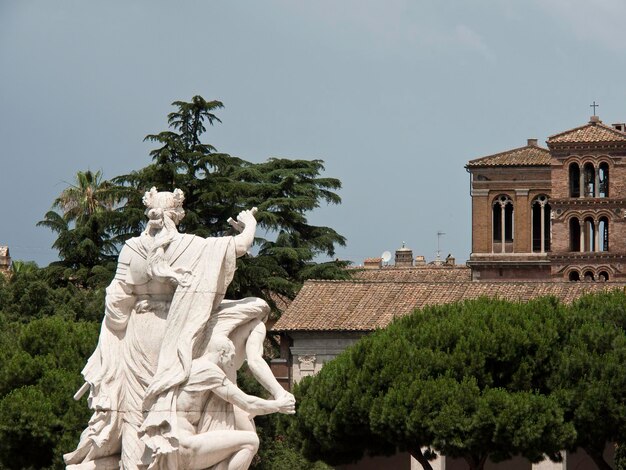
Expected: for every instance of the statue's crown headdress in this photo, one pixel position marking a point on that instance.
(165, 200)
(160, 204)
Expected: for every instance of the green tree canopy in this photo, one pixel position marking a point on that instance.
(473, 380)
(590, 377)
(41, 363)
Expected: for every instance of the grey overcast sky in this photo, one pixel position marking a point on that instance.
(395, 96)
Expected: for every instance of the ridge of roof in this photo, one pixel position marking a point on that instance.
(528, 155)
(593, 131)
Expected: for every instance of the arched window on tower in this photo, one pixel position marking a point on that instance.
(603, 180)
(503, 225)
(603, 234)
(589, 180)
(541, 224)
(574, 180)
(574, 234)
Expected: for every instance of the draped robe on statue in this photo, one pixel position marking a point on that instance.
(151, 332)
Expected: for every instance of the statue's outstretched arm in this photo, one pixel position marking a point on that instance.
(254, 405)
(258, 366)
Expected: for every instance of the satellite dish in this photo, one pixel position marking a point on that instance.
(386, 256)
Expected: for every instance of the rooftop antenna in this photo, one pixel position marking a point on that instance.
(386, 256)
(438, 257)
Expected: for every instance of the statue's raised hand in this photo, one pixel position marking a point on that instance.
(247, 217)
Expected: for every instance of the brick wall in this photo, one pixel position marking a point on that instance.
(522, 185)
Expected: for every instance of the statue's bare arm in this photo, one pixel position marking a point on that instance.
(119, 302)
(254, 405)
(244, 241)
(258, 366)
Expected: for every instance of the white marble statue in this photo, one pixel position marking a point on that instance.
(162, 379)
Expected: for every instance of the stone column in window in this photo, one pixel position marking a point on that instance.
(542, 205)
(503, 224)
(582, 183)
(581, 225)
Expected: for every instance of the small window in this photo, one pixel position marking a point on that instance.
(603, 180)
(574, 234)
(503, 224)
(574, 180)
(541, 221)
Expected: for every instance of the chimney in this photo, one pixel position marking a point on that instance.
(532, 142)
(620, 126)
(373, 263)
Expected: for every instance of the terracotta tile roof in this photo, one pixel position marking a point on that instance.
(280, 301)
(530, 155)
(416, 274)
(369, 305)
(589, 133)
(373, 260)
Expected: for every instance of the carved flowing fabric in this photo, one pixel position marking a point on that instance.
(213, 268)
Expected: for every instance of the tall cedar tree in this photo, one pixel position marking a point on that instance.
(218, 186)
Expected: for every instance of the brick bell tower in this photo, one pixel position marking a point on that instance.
(588, 202)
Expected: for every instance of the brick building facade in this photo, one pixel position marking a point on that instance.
(552, 213)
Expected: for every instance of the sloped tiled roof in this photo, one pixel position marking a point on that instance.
(369, 305)
(594, 131)
(530, 155)
(416, 274)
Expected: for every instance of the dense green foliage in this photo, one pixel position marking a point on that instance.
(41, 362)
(48, 328)
(590, 377)
(475, 380)
(620, 457)
(85, 228)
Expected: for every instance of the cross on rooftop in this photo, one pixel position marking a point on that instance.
(594, 106)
